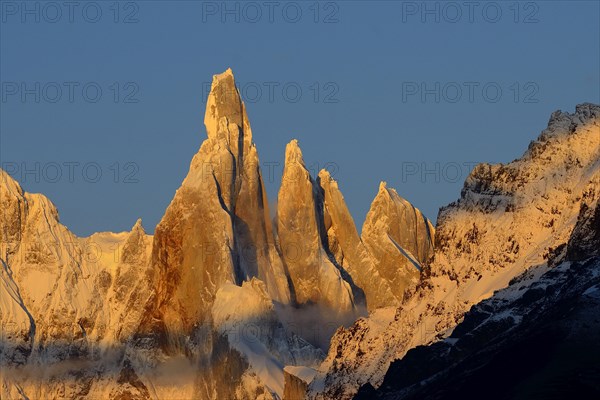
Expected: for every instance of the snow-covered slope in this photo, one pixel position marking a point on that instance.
(509, 218)
(246, 315)
(541, 334)
(62, 297)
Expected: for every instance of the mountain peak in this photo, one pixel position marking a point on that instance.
(399, 236)
(293, 154)
(561, 121)
(223, 75)
(9, 184)
(325, 175)
(224, 104)
(138, 226)
(326, 178)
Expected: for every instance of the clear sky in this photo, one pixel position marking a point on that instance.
(411, 93)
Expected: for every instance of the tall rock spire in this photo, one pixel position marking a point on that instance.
(315, 279)
(224, 102)
(217, 227)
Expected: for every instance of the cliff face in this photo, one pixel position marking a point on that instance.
(296, 382)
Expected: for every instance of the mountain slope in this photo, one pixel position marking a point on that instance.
(509, 218)
(63, 298)
(541, 334)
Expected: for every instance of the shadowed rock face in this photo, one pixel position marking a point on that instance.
(585, 239)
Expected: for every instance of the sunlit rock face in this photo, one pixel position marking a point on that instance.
(314, 277)
(216, 228)
(216, 233)
(399, 238)
(328, 262)
(585, 238)
(296, 382)
(509, 219)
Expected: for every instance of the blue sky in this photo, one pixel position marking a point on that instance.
(103, 103)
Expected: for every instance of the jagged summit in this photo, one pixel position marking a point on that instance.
(340, 238)
(8, 182)
(584, 113)
(293, 153)
(325, 178)
(217, 224)
(224, 101)
(138, 226)
(228, 72)
(324, 175)
(312, 275)
(399, 237)
(295, 173)
(385, 190)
